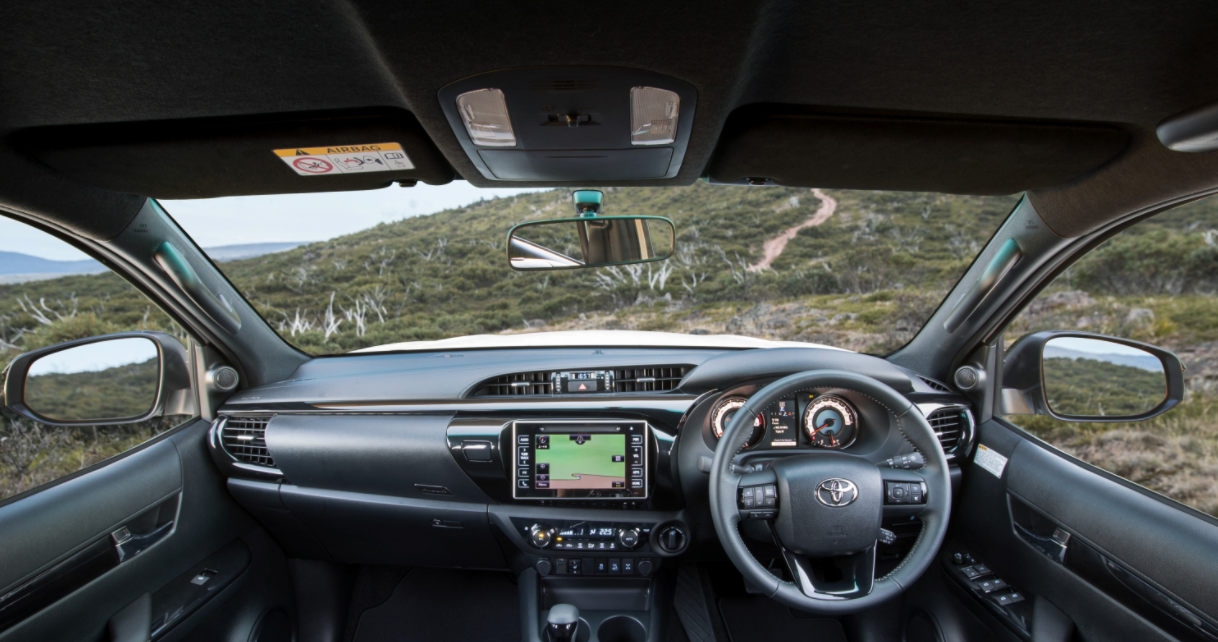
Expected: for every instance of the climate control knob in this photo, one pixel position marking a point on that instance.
(541, 535)
(628, 537)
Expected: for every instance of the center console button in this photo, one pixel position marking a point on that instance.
(628, 537)
(627, 566)
(615, 566)
(644, 567)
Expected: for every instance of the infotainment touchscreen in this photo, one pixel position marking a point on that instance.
(580, 460)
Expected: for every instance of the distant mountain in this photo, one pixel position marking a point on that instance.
(1143, 362)
(16, 267)
(15, 264)
(249, 250)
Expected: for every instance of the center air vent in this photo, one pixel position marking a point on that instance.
(517, 384)
(650, 379)
(245, 439)
(950, 425)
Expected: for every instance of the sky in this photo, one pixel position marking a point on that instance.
(94, 357)
(284, 217)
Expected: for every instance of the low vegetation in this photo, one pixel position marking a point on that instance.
(866, 279)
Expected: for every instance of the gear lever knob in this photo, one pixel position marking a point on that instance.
(561, 622)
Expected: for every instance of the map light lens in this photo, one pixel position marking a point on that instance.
(653, 116)
(485, 114)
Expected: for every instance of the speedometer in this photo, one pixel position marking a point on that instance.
(831, 422)
(723, 413)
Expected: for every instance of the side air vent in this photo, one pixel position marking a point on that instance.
(935, 385)
(245, 439)
(653, 379)
(950, 425)
(517, 385)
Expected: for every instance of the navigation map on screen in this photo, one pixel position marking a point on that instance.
(581, 461)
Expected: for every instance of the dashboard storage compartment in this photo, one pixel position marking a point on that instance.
(358, 528)
(394, 455)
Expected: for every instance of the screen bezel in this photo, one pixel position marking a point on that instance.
(591, 494)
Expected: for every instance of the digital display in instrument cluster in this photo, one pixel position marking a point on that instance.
(784, 424)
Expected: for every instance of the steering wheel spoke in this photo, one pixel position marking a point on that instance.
(832, 578)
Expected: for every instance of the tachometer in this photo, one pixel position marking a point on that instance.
(723, 413)
(831, 422)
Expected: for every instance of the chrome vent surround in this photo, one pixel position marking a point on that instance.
(949, 425)
(935, 385)
(648, 379)
(517, 385)
(244, 438)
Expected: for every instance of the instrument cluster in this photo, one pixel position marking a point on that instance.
(806, 420)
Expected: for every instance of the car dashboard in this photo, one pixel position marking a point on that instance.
(571, 461)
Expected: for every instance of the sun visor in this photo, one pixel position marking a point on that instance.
(240, 156)
(785, 146)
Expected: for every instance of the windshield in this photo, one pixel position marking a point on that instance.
(340, 272)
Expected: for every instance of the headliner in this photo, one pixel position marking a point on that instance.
(71, 62)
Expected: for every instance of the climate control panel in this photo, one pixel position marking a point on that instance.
(584, 536)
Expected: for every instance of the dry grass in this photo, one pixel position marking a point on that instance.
(1175, 454)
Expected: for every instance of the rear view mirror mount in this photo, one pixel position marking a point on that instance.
(1085, 377)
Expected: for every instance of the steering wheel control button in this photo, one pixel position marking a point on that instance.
(887, 537)
(746, 497)
(904, 493)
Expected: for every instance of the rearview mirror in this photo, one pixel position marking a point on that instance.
(111, 379)
(1078, 376)
(590, 242)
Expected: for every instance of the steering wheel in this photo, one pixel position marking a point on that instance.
(829, 505)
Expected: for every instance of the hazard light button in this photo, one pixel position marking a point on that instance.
(587, 385)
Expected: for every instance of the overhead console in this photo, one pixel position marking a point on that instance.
(571, 123)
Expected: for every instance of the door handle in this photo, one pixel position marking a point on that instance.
(127, 545)
(1054, 546)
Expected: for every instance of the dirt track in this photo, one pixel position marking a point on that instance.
(774, 247)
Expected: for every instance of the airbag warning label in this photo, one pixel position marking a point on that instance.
(990, 460)
(345, 159)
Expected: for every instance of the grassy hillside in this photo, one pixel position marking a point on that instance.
(446, 274)
(865, 279)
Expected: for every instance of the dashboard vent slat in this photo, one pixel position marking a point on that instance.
(245, 439)
(935, 385)
(648, 379)
(949, 425)
(517, 385)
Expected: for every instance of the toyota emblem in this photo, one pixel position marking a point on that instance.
(837, 492)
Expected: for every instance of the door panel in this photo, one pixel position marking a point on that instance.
(1043, 492)
(44, 529)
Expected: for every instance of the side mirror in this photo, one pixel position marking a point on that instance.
(111, 379)
(1079, 376)
(595, 241)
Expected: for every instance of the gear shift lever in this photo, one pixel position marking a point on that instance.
(561, 622)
